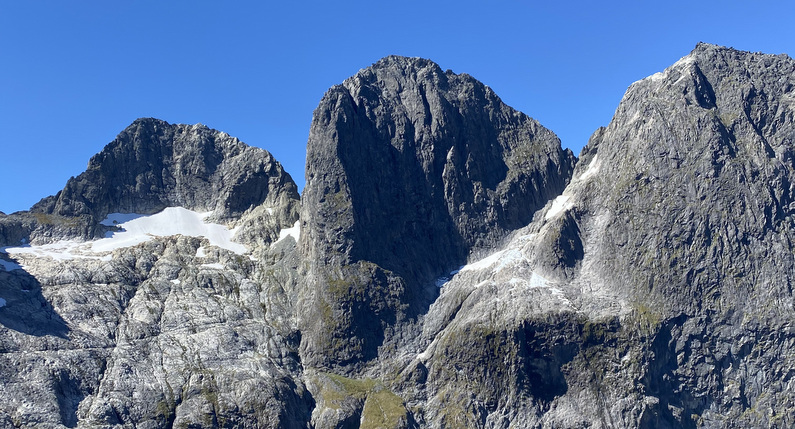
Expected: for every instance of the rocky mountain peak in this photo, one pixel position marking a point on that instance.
(409, 171)
(152, 165)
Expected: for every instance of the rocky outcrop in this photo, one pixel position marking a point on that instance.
(152, 165)
(655, 290)
(175, 332)
(163, 335)
(410, 170)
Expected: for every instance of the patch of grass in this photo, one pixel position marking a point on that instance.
(353, 387)
(383, 409)
(46, 219)
(648, 320)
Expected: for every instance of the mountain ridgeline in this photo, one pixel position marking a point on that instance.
(447, 265)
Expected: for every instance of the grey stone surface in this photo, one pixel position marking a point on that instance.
(655, 291)
(410, 170)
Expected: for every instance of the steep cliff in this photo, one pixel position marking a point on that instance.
(410, 170)
(655, 291)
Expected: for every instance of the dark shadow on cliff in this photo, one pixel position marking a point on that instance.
(26, 310)
(662, 381)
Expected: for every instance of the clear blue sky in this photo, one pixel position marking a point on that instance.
(75, 73)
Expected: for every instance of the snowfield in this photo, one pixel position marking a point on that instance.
(294, 232)
(134, 229)
(137, 229)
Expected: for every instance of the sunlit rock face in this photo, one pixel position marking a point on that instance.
(155, 290)
(451, 266)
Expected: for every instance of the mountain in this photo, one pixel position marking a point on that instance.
(409, 171)
(152, 165)
(447, 265)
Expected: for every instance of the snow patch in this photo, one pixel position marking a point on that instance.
(215, 266)
(593, 168)
(2, 302)
(176, 281)
(537, 280)
(484, 263)
(64, 250)
(559, 205)
(171, 221)
(269, 210)
(294, 232)
(135, 229)
(200, 253)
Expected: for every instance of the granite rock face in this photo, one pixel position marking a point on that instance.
(452, 267)
(655, 291)
(410, 170)
(152, 165)
(173, 332)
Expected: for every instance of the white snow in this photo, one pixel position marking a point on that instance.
(501, 259)
(2, 302)
(176, 281)
(593, 168)
(537, 280)
(215, 266)
(171, 221)
(64, 250)
(200, 253)
(9, 266)
(269, 210)
(559, 205)
(484, 263)
(135, 229)
(294, 232)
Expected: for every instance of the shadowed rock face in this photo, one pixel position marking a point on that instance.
(670, 253)
(409, 170)
(152, 165)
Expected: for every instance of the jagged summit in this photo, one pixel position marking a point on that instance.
(409, 171)
(152, 165)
